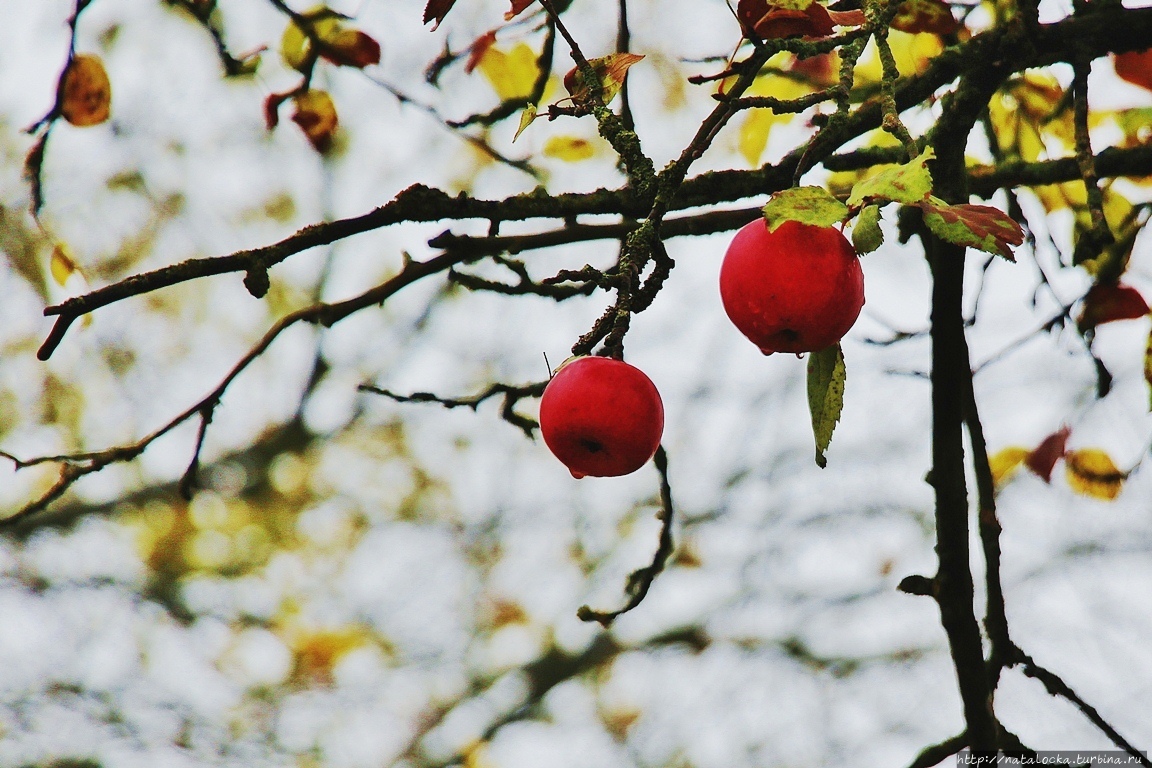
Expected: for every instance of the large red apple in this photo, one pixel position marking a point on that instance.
(601, 417)
(797, 289)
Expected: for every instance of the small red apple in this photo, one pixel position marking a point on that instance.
(797, 289)
(601, 417)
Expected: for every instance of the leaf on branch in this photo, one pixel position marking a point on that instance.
(517, 8)
(611, 70)
(85, 91)
(807, 205)
(512, 74)
(866, 233)
(352, 48)
(342, 45)
(768, 22)
(925, 16)
(436, 10)
(909, 183)
(1135, 67)
(826, 376)
(1051, 450)
(1004, 463)
(974, 226)
(526, 118)
(1091, 472)
(1108, 302)
(316, 115)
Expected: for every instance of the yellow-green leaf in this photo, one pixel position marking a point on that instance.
(908, 183)
(807, 205)
(1091, 472)
(296, 48)
(866, 233)
(973, 226)
(826, 376)
(526, 118)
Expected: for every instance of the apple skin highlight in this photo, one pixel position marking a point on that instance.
(601, 417)
(798, 289)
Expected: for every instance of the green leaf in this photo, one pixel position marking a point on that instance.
(826, 375)
(807, 205)
(973, 226)
(866, 233)
(908, 184)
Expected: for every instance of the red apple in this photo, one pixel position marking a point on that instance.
(601, 417)
(798, 289)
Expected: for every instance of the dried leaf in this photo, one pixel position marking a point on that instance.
(1108, 302)
(1135, 67)
(760, 19)
(352, 48)
(909, 183)
(478, 48)
(611, 70)
(85, 91)
(518, 7)
(974, 226)
(1091, 472)
(1005, 462)
(1051, 449)
(436, 10)
(316, 115)
(1148, 368)
(925, 16)
(570, 149)
(807, 205)
(826, 377)
(866, 233)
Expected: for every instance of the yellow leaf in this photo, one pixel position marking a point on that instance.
(1091, 472)
(316, 653)
(912, 53)
(1005, 462)
(85, 91)
(62, 265)
(570, 149)
(610, 69)
(513, 73)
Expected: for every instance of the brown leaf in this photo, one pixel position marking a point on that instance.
(768, 22)
(85, 91)
(272, 108)
(1135, 67)
(316, 115)
(477, 49)
(352, 48)
(1107, 302)
(1051, 449)
(518, 7)
(436, 10)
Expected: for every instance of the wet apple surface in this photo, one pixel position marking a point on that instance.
(601, 417)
